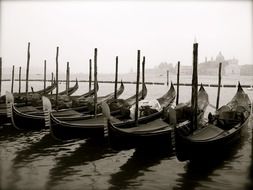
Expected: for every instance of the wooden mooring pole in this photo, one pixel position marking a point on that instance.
(67, 78)
(0, 75)
(178, 77)
(19, 80)
(116, 78)
(137, 88)
(95, 82)
(52, 80)
(27, 72)
(194, 98)
(45, 75)
(90, 74)
(143, 76)
(56, 73)
(168, 72)
(219, 85)
(12, 78)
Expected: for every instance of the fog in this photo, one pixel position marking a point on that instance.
(164, 31)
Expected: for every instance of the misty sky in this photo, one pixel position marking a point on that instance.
(163, 31)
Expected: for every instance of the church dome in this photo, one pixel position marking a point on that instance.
(220, 57)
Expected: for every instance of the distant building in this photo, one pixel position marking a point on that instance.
(185, 70)
(161, 69)
(246, 70)
(229, 66)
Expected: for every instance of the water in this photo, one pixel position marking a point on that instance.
(34, 160)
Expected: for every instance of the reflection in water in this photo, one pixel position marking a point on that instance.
(36, 150)
(136, 166)
(200, 174)
(71, 165)
(9, 133)
(30, 150)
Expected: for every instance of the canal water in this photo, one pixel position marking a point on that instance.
(34, 160)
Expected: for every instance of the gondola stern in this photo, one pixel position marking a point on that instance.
(239, 87)
(201, 87)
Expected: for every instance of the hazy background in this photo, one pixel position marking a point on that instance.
(162, 30)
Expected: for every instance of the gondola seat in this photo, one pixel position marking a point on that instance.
(206, 133)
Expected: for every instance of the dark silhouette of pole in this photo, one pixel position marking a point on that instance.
(194, 98)
(168, 77)
(12, 78)
(178, 76)
(137, 88)
(27, 71)
(0, 75)
(52, 81)
(57, 86)
(67, 78)
(95, 82)
(116, 78)
(45, 75)
(19, 80)
(219, 84)
(143, 77)
(90, 74)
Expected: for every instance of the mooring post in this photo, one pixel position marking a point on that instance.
(219, 85)
(95, 82)
(12, 78)
(52, 81)
(0, 75)
(56, 72)
(27, 71)
(45, 75)
(90, 74)
(116, 79)
(178, 76)
(19, 80)
(137, 88)
(194, 98)
(167, 77)
(67, 78)
(143, 76)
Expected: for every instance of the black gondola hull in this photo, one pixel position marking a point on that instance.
(213, 148)
(4, 119)
(25, 121)
(64, 131)
(158, 141)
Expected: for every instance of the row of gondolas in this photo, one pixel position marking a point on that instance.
(168, 128)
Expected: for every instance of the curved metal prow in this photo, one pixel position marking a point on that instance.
(9, 102)
(47, 109)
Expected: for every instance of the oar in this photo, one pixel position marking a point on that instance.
(212, 106)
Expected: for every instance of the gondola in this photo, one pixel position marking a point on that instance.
(34, 102)
(76, 127)
(47, 90)
(214, 137)
(31, 118)
(20, 98)
(153, 131)
(71, 90)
